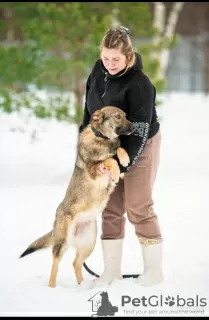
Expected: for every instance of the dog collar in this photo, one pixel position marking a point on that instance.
(98, 133)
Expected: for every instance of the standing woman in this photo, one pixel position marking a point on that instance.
(117, 80)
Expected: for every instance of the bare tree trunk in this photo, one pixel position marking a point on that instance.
(158, 23)
(159, 18)
(173, 19)
(169, 33)
(165, 30)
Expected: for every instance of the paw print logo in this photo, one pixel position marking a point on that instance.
(170, 301)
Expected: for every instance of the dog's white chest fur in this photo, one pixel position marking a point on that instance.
(91, 214)
(84, 220)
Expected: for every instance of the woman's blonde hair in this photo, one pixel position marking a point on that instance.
(119, 39)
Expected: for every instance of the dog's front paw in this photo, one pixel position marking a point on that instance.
(115, 174)
(125, 160)
(123, 157)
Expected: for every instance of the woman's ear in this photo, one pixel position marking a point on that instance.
(128, 57)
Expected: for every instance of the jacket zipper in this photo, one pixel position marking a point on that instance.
(105, 79)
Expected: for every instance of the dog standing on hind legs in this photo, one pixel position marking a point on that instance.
(88, 192)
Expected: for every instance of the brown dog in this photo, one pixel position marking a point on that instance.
(88, 191)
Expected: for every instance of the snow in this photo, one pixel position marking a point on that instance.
(34, 175)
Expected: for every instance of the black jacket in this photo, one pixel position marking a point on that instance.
(134, 93)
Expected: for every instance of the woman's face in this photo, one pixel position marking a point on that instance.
(113, 60)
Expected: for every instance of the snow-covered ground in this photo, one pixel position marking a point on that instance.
(33, 179)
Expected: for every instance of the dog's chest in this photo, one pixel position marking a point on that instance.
(92, 214)
(82, 225)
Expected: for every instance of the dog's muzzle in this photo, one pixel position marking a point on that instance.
(126, 130)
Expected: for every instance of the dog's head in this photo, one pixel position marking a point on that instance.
(111, 122)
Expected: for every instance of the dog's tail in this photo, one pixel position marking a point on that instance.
(41, 243)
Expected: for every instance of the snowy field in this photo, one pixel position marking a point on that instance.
(33, 179)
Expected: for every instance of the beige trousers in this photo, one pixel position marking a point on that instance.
(133, 195)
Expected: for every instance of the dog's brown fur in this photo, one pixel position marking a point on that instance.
(88, 191)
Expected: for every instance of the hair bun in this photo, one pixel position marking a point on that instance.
(126, 30)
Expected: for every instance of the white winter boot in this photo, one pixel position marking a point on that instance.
(152, 258)
(112, 257)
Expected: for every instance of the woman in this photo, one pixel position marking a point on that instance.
(117, 80)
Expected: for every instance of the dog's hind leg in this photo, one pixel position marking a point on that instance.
(81, 255)
(59, 243)
(58, 251)
(85, 243)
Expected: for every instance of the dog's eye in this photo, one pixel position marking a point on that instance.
(118, 116)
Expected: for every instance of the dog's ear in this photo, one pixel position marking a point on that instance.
(95, 116)
(98, 116)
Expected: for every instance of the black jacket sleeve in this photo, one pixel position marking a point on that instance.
(86, 115)
(141, 101)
